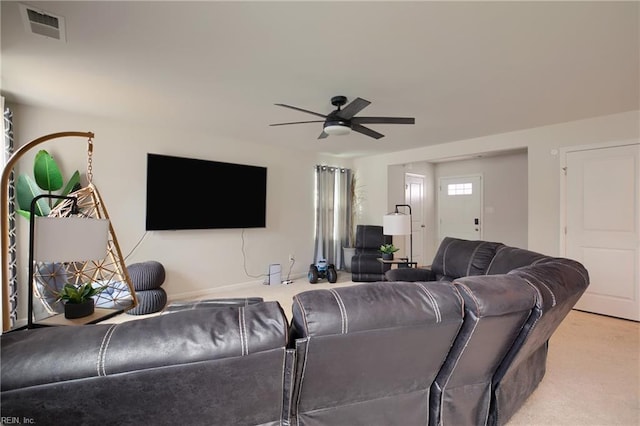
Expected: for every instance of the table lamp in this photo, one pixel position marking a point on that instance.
(398, 223)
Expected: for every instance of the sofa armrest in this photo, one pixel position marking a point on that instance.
(410, 274)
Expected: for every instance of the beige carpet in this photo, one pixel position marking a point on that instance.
(593, 370)
(593, 375)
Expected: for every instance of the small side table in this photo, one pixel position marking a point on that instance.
(401, 263)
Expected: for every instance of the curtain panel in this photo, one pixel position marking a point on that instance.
(7, 151)
(333, 213)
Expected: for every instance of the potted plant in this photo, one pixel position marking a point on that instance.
(78, 299)
(47, 178)
(387, 251)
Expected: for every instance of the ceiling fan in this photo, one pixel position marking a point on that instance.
(343, 120)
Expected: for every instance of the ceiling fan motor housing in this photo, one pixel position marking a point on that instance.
(338, 101)
(335, 125)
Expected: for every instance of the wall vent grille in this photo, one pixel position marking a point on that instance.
(43, 23)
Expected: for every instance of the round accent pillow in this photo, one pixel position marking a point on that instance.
(147, 275)
(149, 301)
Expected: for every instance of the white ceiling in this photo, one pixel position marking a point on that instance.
(462, 69)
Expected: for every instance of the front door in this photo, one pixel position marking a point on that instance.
(459, 207)
(602, 226)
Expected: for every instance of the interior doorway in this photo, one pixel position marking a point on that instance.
(601, 229)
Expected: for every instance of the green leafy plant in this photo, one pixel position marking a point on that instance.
(79, 294)
(47, 179)
(388, 249)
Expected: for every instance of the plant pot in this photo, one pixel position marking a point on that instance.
(79, 310)
(348, 253)
(387, 256)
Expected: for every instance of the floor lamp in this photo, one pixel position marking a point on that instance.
(397, 223)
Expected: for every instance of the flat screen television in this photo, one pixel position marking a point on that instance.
(189, 193)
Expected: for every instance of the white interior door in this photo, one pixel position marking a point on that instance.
(414, 196)
(602, 207)
(460, 207)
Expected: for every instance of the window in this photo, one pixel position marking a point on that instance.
(460, 189)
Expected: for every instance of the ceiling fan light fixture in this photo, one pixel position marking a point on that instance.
(337, 128)
(342, 121)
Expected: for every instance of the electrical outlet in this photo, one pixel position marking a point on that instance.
(291, 257)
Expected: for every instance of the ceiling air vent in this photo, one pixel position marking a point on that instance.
(43, 23)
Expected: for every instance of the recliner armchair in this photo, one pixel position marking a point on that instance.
(364, 264)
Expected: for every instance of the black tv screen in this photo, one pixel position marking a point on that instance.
(188, 193)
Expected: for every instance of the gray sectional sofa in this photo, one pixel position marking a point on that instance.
(461, 343)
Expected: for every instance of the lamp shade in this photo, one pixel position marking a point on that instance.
(396, 224)
(70, 239)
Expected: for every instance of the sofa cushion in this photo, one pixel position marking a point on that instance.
(346, 310)
(462, 258)
(508, 258)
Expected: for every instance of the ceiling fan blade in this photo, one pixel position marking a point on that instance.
(323, 135)
(366, 131)
(357, 105)
(302, 110)
(297, 122)
(384, 120)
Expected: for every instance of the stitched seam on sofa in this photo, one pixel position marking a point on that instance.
(466, 344)
(473, 255)
(102, 352)
(284, 378)
(538, 294)
(473, 296)
(304, 314)
(343, 311)
(566, 265)
(527, 333)
(493, 259)
(242, 326)
(441, 398)
(553, 296)
(444, 258)
(433, 301)
(302, 373)
(535, 262)
(497, 408)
